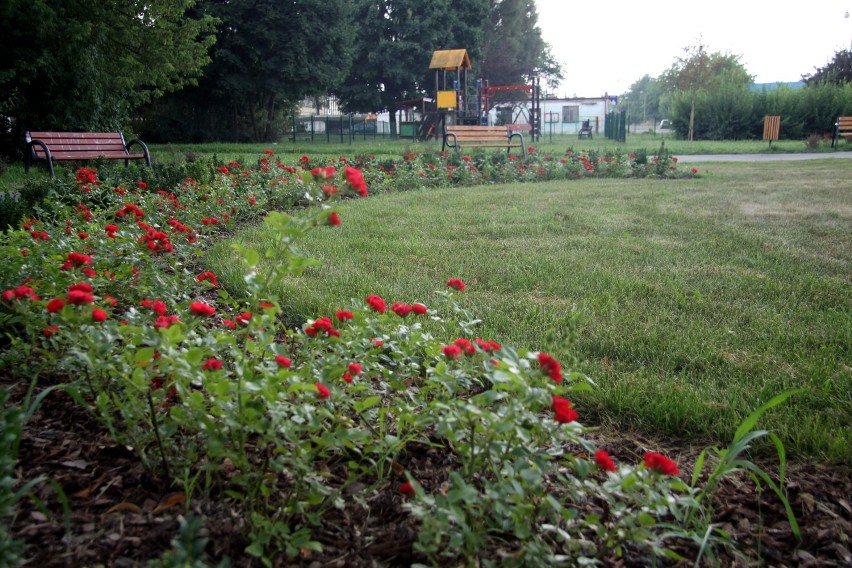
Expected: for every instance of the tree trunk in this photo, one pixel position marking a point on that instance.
(392, 120)
(691, 133)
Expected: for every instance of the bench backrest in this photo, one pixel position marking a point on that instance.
(70, 145)
(479, 133)
(844, 123)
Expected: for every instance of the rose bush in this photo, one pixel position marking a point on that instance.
(106, 293)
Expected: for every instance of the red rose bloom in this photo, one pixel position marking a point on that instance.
(419, 309)
(660, 464)
(355, 179)
(376, 303)
(465, 346)
(55, 305)
(164, 322)
(283, 361)
(550, 367)
(355, 368)
(343, 315)
(208, 276)
(211, 365)
(451, 351)
(99, 315)
(456, 283)
(603, 461)
(401, 309)
(563, 411)
(202, 309)
(81, 287)
(78, 297)
(322, 390)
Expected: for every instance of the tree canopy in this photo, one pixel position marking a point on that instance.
(267, 57)
(838, 70)
(394, 45)
(86, 64)
(514, 50)
(699, 71)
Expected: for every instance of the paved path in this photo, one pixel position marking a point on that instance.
(761, 157)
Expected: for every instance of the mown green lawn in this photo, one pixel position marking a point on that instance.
(693, 301)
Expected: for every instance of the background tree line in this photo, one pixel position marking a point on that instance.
(710, 96)
(233, 70)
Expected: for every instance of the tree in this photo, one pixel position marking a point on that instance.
(88, 64)
(268, 56)
(514, 50)
(643, 99)
(838, 70)
(699, 71)
(395, 42)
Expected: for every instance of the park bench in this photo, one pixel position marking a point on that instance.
(842, 129)
(483, 137)
(72, 146)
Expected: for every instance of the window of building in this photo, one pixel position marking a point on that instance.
(571, 113)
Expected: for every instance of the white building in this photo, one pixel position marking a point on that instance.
(559, 115)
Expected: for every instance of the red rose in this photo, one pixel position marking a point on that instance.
(401, 309)
(55, 305)
(202, 309)
(211, 365)
(466, 346)
(283, 361)
(451, 351)
(550, 367)
(603, 461)
(99, 315)
(78, 297)
(456, 283)
(419, 309)
(660, 464)
(343, 315)
(376, 303)
(563, 411)
(322, 390)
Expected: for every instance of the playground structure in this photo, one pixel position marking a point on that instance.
(457, 103)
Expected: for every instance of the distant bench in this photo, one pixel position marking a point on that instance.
(483, 137)
(842, 129)
(68, 146)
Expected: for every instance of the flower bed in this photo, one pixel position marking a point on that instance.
(222, 402)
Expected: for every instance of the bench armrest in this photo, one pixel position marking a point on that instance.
(141, 144)
(523, 146)
(447, 143)
(30, 156)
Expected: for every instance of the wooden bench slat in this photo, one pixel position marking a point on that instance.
(842, 129)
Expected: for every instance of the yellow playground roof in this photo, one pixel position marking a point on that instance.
(450, 59)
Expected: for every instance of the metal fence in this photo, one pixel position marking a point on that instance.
(615, 127)
(340, 129)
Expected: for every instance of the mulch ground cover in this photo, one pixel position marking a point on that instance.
(121, 516)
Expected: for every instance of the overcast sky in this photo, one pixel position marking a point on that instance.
(606, 46)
